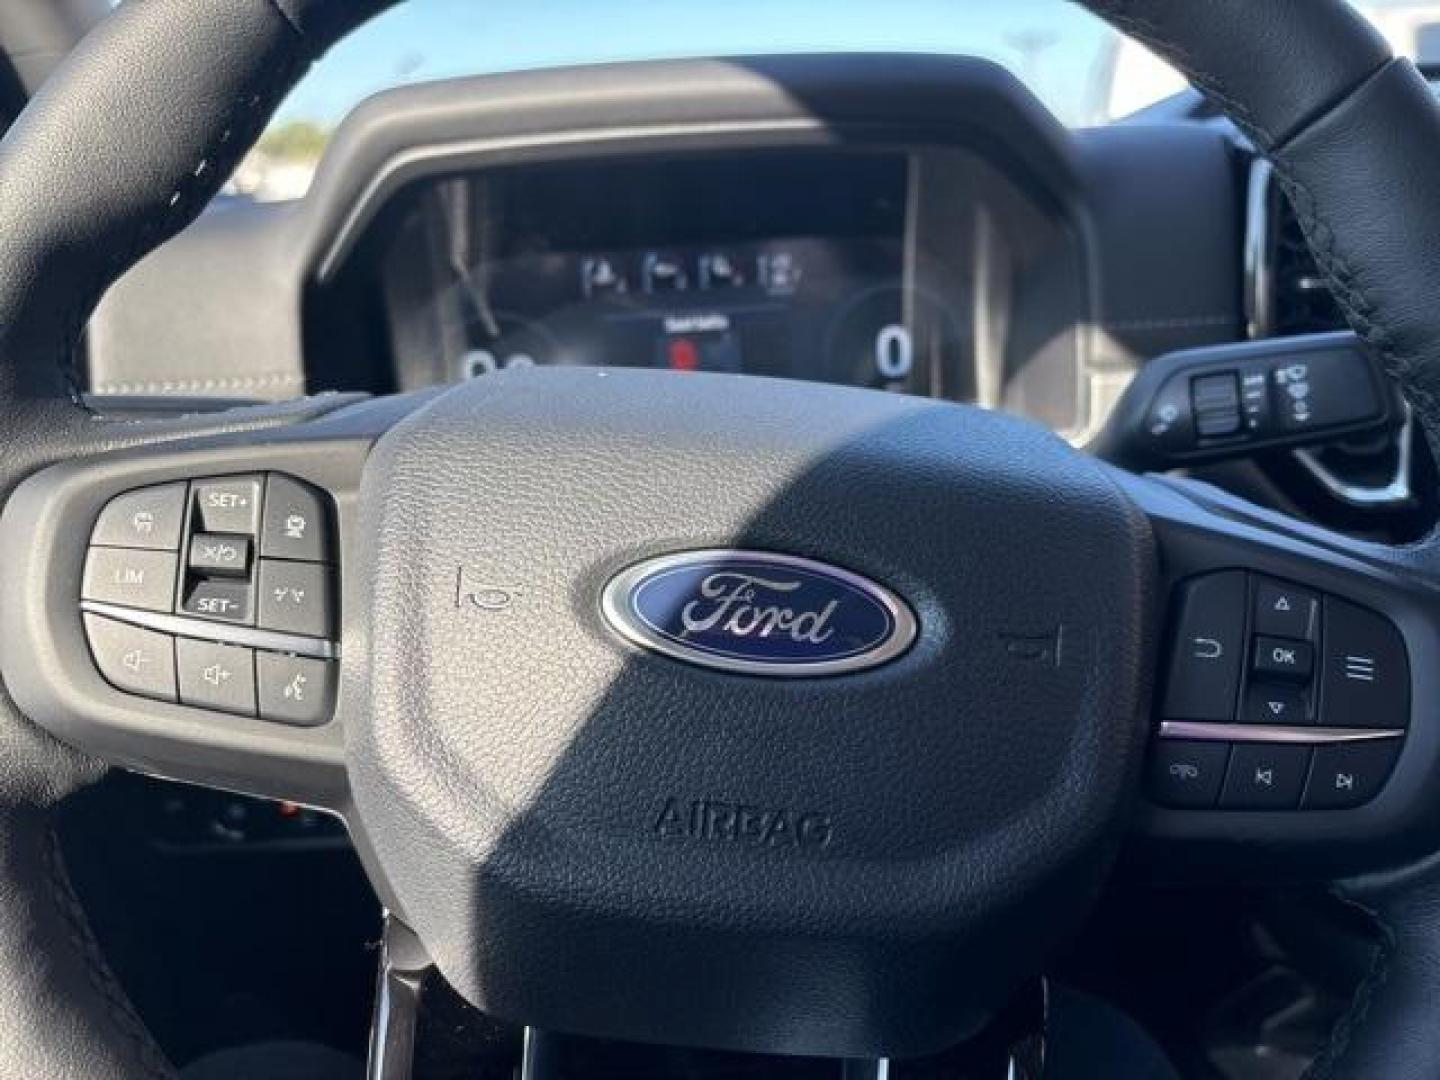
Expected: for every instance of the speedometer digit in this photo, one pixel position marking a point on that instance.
(894, 352)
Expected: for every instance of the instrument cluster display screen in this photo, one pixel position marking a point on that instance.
(790, 265)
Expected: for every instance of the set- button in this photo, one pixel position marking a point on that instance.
(217, 593)
(1277, 697)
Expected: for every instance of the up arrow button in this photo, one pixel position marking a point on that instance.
(1283, 610)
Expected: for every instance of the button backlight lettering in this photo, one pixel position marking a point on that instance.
(1208, 649)
(1360, 668)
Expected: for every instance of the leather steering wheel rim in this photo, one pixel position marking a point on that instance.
(138, 129)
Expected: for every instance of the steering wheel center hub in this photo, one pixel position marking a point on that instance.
(791, 684)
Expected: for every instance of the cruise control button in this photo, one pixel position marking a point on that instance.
(1284, 658)
(1264, 777)
(1204, 677)
(149, 518)
(1366, 680)
(221, 599)
(132, 659)
(1350, 774)
(295, 598)
(1282, 610)
(1187, 774)
(1283, 705)
(295, 689)
(220, 554)
(214, 676)
(228, 505)
(134, 579)
(295, 525)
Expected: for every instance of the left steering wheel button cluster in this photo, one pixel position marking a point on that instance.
(179, 575)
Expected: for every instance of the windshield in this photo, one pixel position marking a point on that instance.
(1080, 68)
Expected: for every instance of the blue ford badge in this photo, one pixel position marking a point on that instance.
(758, 613)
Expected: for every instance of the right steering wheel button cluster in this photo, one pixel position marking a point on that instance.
(1277, 698)
(218, 593)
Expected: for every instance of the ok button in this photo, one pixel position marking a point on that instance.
(1284, 658)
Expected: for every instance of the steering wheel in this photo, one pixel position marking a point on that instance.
(700, 710)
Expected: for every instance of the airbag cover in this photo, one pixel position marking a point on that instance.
(597, 837)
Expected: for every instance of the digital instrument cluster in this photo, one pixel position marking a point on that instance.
(916, 270)
(827, 309)
(793, 265)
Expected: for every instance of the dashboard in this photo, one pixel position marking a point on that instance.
(912, 224)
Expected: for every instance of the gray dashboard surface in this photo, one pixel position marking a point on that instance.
(221, 309)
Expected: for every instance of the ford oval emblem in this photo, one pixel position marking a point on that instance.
(759, 613)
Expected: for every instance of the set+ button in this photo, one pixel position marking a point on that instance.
(227, 505)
